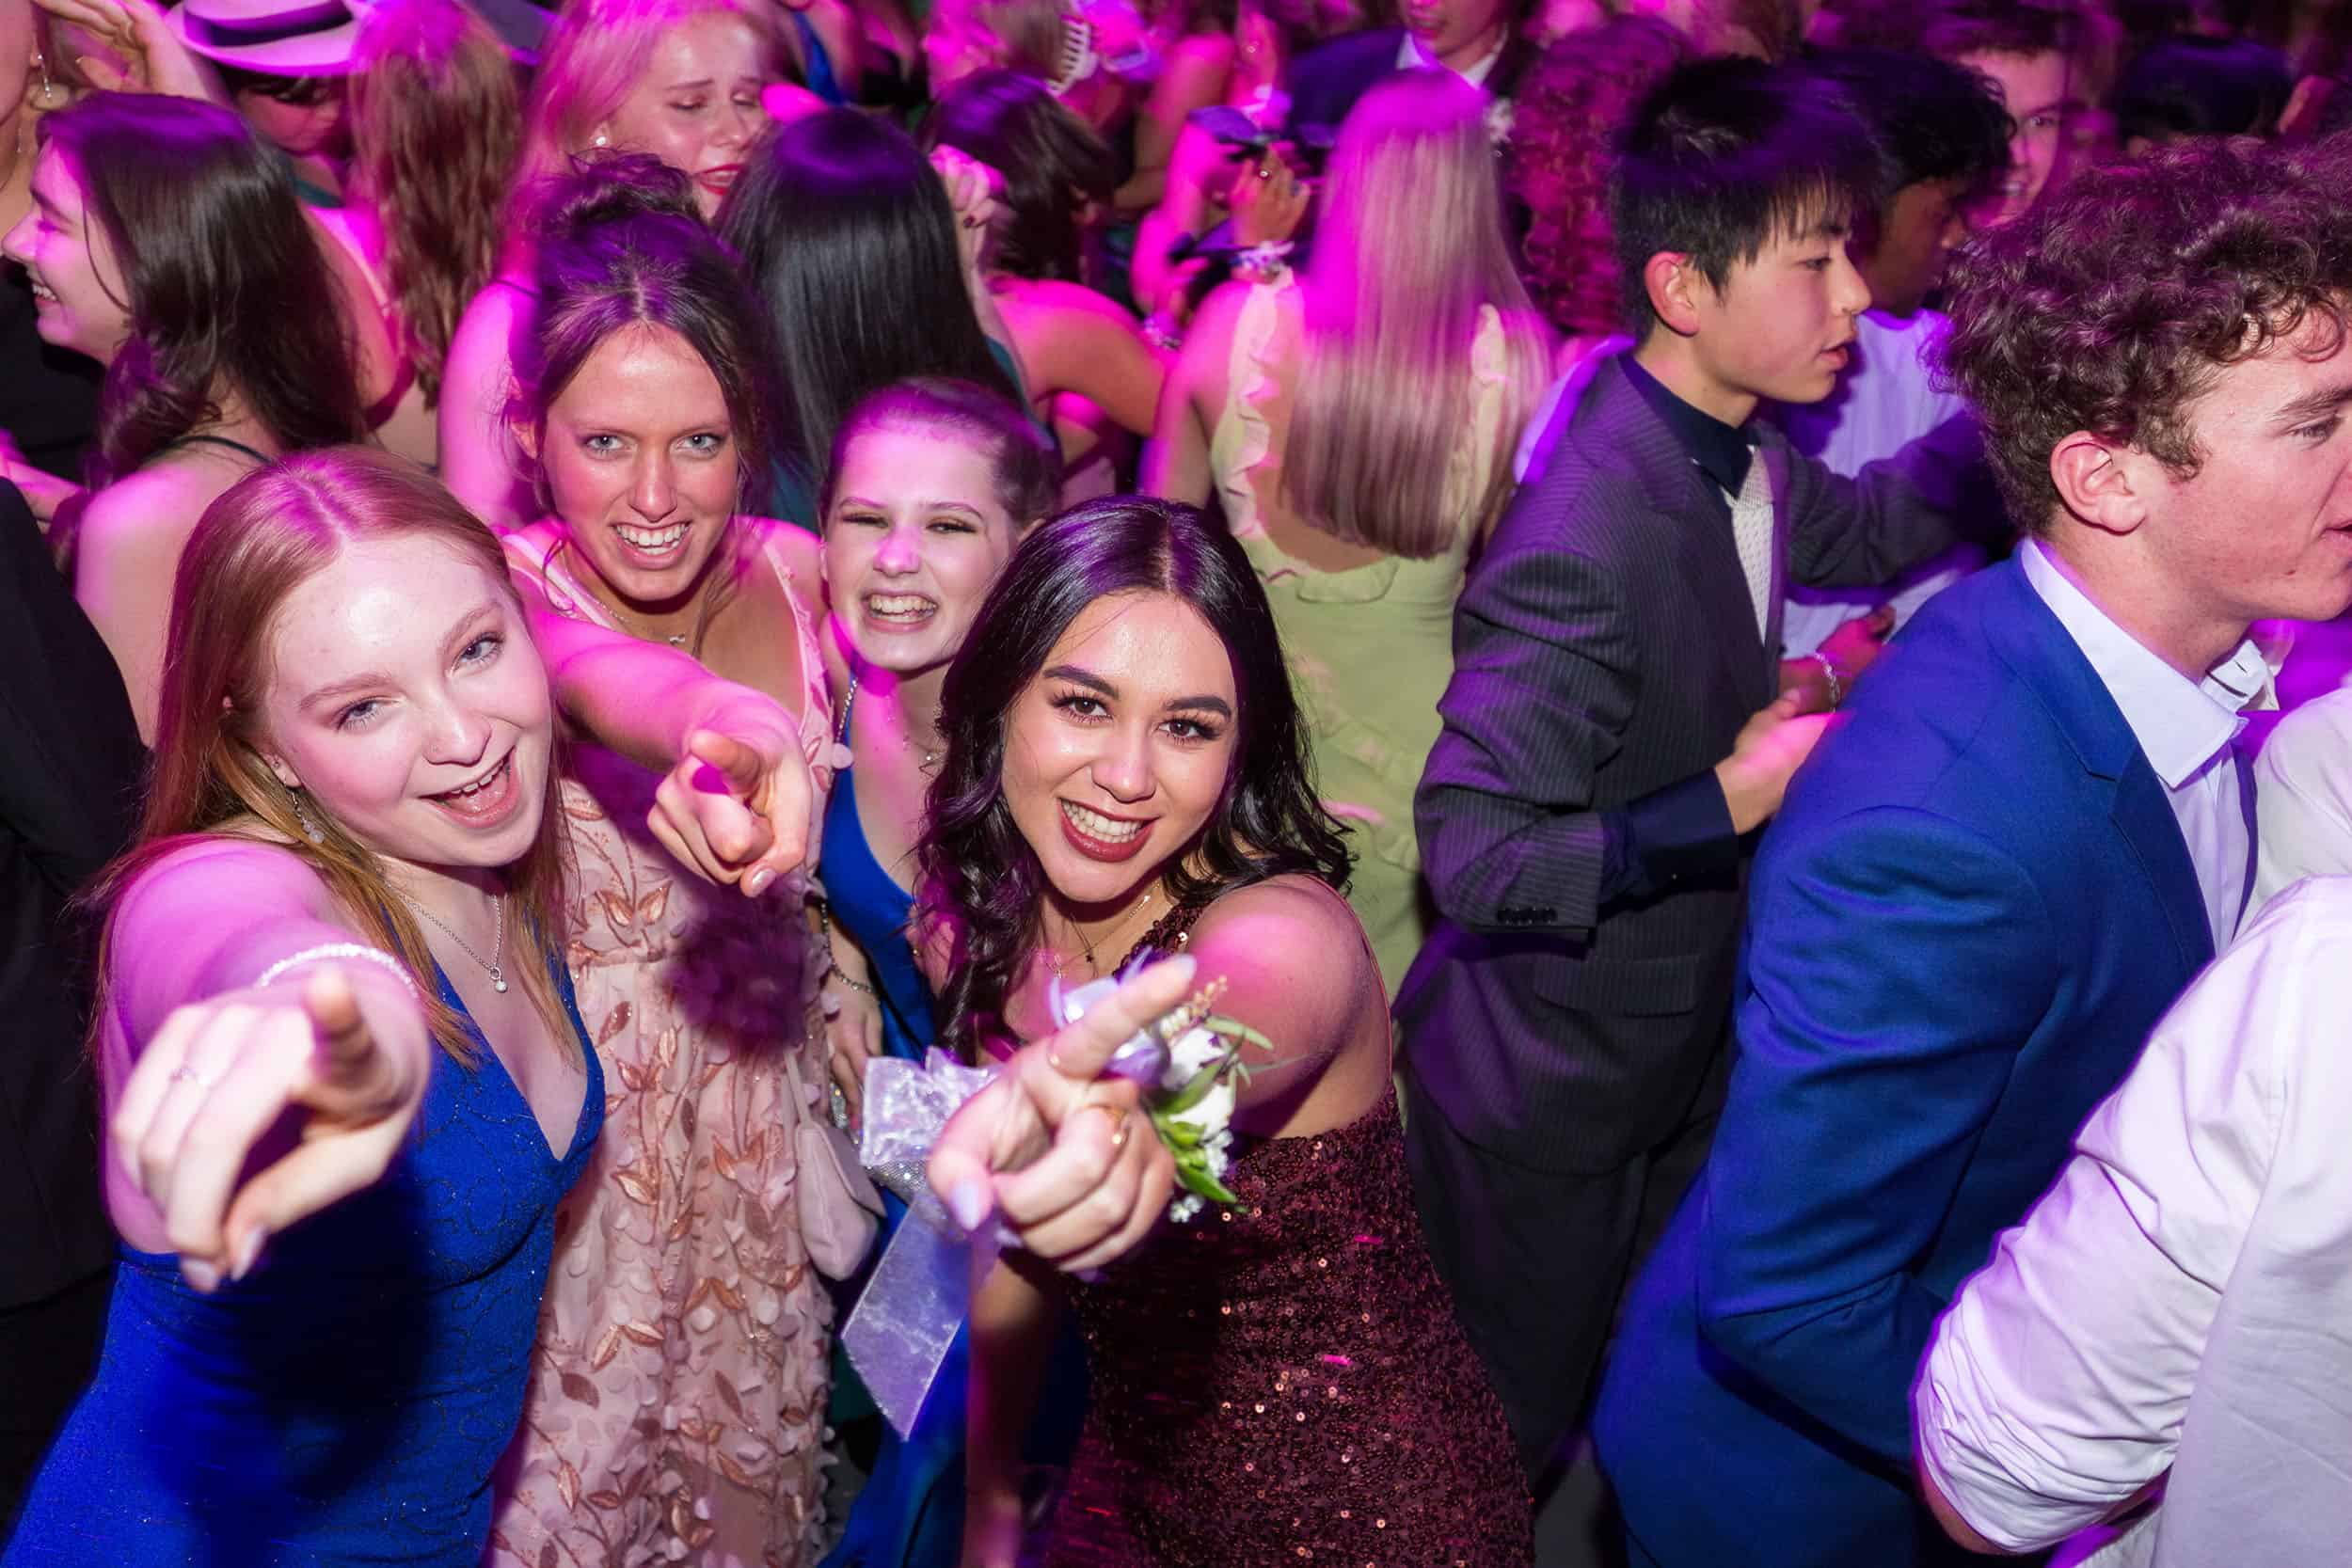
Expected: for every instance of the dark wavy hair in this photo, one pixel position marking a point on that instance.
(1052, 161)
(1571, 106)
(1023, 464)
(230, 294)
(1937, 121)
(982, 882)
(2082, 31)
(2112, 304)
(845, 229)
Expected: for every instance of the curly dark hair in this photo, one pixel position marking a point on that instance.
(1564, 121)
(2111, 305)
(982, 882)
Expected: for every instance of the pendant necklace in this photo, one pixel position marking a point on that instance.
(1061, 963)
(497, 939)
(630, 624)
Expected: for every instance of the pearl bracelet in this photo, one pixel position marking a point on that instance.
(341, 950)
(1836, 687)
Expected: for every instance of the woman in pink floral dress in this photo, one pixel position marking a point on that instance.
(678, 1395)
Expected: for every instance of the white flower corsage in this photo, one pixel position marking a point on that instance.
(1500, 116)
(1190, 1067)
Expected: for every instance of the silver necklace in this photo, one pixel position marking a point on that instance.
(929, 758)
(497, 939)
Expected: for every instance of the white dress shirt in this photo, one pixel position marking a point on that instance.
(2183, 1297)
(2184, 727)
(1412, 55)
(1886, 398)
(2303, 799)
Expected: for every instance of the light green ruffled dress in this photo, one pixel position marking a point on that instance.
(1370, 648)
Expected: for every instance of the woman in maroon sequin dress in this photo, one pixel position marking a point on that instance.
(1278, 1382)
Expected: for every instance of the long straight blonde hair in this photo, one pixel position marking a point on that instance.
(264, 537)
(1408, 250)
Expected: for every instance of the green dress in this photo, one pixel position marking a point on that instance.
(1370, 648)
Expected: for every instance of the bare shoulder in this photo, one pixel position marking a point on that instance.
(1294, 967)
(489, 317)
(481, 349)
(1218, 314)
(1201, 52)
(148, 515)
(535, 539)
(779, 573)
(1074, 300)
(796, 549)
(1291, 926)
(1200, 367)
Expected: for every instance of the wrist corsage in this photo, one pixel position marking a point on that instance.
(1189, 1064)
(1267, 262)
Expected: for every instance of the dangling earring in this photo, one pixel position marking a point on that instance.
(310, 829)
(50, 95)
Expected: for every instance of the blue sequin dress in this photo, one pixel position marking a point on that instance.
(349, 1401)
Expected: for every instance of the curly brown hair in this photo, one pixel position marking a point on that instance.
(1564, 123)
(2112, 305)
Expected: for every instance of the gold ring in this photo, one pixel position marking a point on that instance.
(1122, 1119)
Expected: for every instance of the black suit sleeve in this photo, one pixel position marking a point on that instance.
(1897, 511)
(70, 753)
(1545, 680)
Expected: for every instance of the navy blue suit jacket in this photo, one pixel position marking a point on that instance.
(1974, 906)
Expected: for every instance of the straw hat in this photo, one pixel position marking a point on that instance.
(318, 37)
(275, 38)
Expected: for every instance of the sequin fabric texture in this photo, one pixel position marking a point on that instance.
(1284, 1382)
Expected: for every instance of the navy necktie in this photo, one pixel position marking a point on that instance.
(2245, 809)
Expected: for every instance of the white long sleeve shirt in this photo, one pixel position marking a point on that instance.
(2303, 799)
(2183, 1297)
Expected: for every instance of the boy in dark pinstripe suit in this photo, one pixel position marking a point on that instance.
(1615, 729)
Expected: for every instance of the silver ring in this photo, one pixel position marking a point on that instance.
(189, 1076)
